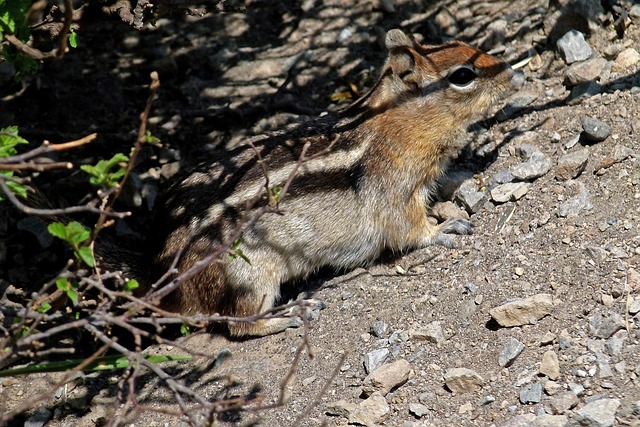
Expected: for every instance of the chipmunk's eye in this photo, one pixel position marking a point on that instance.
(462, 76)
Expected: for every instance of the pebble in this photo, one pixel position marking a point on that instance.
(548, 420)
(550, 365)
(551, 387)
(626, 59)
(445, 210)
(575, 205)
(519, 102)
(374, 359)
(387, 377)
(511, 191)
(502, 177)
(634, 305)
(595, 130)
(604, 327)
(432, 333)
(462, 380)
(572, 164)
(398, 337)
(573, 47)
(373, 408)
(39, 418)
(582, 72)
(535, 165)
(547, 338)
(532, 393)
(379, 328)
(418, 410)
(600, 413)
(583, 91)
(469, 197)
(562, 402)
(510, 352)
(523, 311)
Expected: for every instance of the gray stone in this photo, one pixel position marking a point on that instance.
(511, 191)
(634, 305)
(418, 410)
(532, 393)
(575, 205)
(510, 352)
(583, 91)
(514, 105)
(341, 408)
(518, 420)
(548, 420)
(374, 359)
(469, 197)
(502, 177)
(635, 11)
(536, 166)
(379, 328)
(562, 402)
(398, 337)
(604, 327)
(523, 311)
(387, 377)
(595, 130)
(550, 365)
(462, 380)
(39, 418)
(571, 165)
(573, 47)
(582, 72)
(600, 413)
(432, 333)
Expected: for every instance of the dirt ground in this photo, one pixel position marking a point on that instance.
(574, 235)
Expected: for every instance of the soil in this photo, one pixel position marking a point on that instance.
(225, 77)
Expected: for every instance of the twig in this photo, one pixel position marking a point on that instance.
(47, 147)
(38, 167)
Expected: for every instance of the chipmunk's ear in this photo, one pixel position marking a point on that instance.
(402, 55)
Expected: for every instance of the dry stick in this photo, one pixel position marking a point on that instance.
(54, 212)
(38, 167)
(7, 416)
(62, 45)
(322, 391)
(47, 147)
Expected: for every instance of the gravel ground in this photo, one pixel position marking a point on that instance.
(531, 321)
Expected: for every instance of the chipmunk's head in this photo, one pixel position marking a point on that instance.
(450, 79)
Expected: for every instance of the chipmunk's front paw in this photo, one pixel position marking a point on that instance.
(452, 226)
(308, 309)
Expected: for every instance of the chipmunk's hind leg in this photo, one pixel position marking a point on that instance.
(251, 304)
(451, 226)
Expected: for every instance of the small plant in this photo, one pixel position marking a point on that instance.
(64, 285)
(101, 173)
(235, 251)
(13, 22)
(9, 139)
(75, 234)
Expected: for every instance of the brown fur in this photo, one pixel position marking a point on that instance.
(368, 193)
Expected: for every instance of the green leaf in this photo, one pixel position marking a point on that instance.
(150, 139)
(57, 229)
(185, 330)
(73, 296)
(73, 39)
(44, 307)
(9, 138)
(73, 233)
(131, 285)
(85, 255)
(15, 187)
(63, 284)
(101, 174)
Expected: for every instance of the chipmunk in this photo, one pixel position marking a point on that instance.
(368, 192)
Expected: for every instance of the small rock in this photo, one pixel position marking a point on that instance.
(634, 305)
(600, 413)
(575, 205)
(617, 155)
(39, 418)
(418, 410)
(626, 59)
(374, 359)
(583, 91)
(582, 72)
(169, 170)
(547, 338)
(523, 311)
(515, 104)
(387, 377)
(445, 210)
(511, 191)
(431, 333)
(532, 393)
(551, 387)
(398, 337)
(469, 196)
(548, 420)
(595, 130)
(462, 380)
(535, 166)
(341, 408)
(375, 408)
(577, 389)
(604, 327)
(518, 420)
(563, 402)
(502, 177)
(550, 365)
(379, 328)
(572, 164)
(573, 47)
(510, 352)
